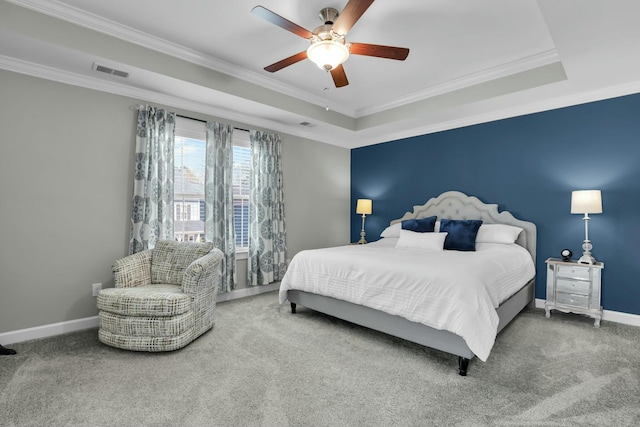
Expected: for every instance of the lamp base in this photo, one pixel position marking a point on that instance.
(587, 259)
(362, 240)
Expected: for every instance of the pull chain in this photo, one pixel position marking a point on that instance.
(326, 90)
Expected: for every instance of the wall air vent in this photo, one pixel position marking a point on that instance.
(109, 70)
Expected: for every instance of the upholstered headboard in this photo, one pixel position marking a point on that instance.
(457, 205)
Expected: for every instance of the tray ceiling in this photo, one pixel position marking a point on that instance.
(470, 61)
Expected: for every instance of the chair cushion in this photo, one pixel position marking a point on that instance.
(149, 326)
(137, 343)
(149, 300)
(171, 258)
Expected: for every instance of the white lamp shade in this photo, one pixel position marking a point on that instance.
(328, 54)
(586, 202)
(363, 207)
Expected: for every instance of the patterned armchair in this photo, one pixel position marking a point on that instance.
(163, 299)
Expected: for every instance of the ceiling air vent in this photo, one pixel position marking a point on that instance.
(109, 70)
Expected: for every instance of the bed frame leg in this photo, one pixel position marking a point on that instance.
(463, 364)
(6, 351)
(293, 308)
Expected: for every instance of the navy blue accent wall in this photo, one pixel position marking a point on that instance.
(527, 165)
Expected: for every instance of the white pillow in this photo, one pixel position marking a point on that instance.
(498, 233)
(427, 241)
(392, 230)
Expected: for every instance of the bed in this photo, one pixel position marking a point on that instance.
(406, 294)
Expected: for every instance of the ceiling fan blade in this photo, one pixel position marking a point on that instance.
(339, 76)
(350, 15)
(281, 22)
(286, 62)
(389, 52)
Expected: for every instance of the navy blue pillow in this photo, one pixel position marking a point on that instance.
(423, 225)
(462, 233)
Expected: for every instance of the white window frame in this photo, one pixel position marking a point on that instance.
(195, 129)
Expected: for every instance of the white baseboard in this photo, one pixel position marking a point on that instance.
(45, 331)
(608, 315)
(247, 292)
(92, 322)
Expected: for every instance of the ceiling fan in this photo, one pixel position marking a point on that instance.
(329, 48)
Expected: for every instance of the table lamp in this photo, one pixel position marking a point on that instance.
(586, 202)
(363, 207)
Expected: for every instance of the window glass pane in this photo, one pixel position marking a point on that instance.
(189, 167)
(241, 177)
(189, 170)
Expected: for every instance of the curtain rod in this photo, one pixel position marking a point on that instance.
(138, 107)
(204, 121)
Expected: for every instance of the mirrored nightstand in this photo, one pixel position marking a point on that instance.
(574, 288)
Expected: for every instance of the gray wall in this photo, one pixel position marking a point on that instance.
(66, 185)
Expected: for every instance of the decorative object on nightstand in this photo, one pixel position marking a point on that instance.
(573, 287)
(586, 202)
(363, 207)
(566, 255)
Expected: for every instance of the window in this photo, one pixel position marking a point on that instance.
(189, 170)
(188, 192)
(187, 210)
(241, 177)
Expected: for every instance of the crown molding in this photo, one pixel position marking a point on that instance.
(534, 61)
(513, 111)
(61, 76)
(94, 22)
(351, 139)
(114, 29)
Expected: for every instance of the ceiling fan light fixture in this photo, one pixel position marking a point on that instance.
(328, 54)
(328, 48)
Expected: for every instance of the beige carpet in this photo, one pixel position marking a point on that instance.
(263, 366)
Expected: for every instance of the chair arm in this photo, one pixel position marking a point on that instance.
(204, 274)
(133, 270)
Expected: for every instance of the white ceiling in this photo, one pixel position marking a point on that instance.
(470, 60)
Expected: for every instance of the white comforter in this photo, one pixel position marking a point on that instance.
(451, 290)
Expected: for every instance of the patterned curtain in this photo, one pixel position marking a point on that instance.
(267, 236)
(152, 212)
(218, 198)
